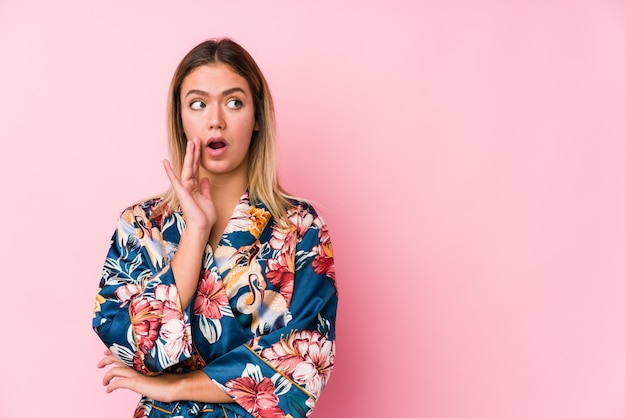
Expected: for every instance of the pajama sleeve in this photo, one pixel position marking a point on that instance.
(283, 372)
(138, 313)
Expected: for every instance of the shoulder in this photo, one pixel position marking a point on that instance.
(301, 205)
(145, 212)
(303, 216)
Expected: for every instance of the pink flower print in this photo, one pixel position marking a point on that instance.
(284, 238)
(140, 367)
(146, 319)
(258, 398)
(126, 292)
(175, 332)
(314, 371)
(280, 274)
(165, 292)
(324, 263)
(306, 356)
(211, 296)
(323, 234)
(302, 218)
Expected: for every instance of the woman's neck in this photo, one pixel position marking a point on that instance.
(225, 192)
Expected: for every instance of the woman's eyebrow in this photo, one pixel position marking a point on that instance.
(224, 93)
(196, 91)
(233, 90)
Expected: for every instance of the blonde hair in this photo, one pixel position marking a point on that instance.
(263, 184)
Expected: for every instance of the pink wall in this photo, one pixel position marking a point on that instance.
(470, 158)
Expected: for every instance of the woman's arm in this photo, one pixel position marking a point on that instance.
(168, 387)
(289, 366)
(194, 195)
(142, 307)
(138, 312)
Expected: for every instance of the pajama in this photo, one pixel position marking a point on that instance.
(261, 324)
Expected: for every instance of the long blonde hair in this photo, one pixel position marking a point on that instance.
(263, 183)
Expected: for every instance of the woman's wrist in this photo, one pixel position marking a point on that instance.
(199, 387)
(198, 236)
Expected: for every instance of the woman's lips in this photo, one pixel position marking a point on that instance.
(216, 146)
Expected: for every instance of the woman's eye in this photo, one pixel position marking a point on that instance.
(197, 105)
(234, 103)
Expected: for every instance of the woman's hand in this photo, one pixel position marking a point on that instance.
(194, 195)
(120, 376)
(193, 192)
(168, 387)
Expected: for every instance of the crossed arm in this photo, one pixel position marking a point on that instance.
(194, 196)
(168, 387)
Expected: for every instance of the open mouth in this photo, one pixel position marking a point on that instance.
(217, 144)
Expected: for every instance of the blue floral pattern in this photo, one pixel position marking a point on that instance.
(261, 324)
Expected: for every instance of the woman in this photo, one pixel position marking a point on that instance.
(218, 298)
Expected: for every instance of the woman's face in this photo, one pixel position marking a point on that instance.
(217, 107)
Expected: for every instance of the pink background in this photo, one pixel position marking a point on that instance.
(468, 156)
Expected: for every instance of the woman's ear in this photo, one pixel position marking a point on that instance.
(256, 125)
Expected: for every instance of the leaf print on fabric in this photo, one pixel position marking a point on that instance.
(129, 260)
(305, 356)
(123, 353)
(176, 219)
(211, 329)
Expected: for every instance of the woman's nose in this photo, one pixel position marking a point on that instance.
(216, 119)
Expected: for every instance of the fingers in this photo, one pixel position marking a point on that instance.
(191, 163)
(205, 187)
(170, 174)
(186, 171)
(109, 359)
(119, 377)
(196, 157)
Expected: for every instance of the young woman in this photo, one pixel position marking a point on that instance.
(218, 298)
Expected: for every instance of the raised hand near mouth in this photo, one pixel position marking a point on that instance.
(194, 196)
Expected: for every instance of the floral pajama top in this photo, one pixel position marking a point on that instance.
(261, 325)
